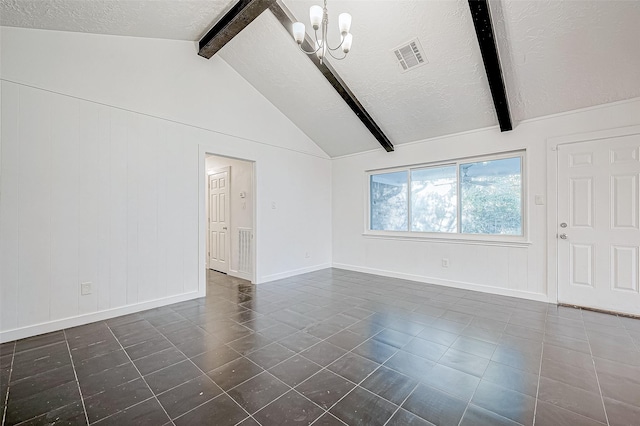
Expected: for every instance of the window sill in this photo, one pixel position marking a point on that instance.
(453, 239)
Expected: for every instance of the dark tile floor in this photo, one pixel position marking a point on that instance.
(330, 348)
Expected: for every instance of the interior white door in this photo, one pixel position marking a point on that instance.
(218, 222)
(598, 219)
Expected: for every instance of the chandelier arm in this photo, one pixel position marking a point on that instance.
(337, 58)
(308, 53)
(313, 52)
(337, 47)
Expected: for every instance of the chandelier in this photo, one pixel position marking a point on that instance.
(319, 20)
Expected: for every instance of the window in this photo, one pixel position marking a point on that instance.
(434, 199)
(389, 210)
(473, 196)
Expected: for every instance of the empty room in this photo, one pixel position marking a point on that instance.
(329, 212)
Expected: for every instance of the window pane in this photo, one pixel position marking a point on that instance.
(491, 194)
(434, 199)
(389, 210)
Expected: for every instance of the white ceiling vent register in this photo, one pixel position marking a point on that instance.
(410, 55)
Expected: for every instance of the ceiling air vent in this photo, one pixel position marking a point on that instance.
(409, 55)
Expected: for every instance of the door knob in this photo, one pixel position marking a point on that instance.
(563, 225)
(563, 236)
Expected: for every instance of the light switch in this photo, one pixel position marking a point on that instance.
(539, 200)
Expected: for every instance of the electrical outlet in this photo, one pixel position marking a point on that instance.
(445, 262)
(273, 205)
(85, 289)
(306, 255)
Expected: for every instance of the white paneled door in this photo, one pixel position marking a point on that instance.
(219, 222)
(598, 220)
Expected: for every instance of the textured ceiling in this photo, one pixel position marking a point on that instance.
(172, 19)
(557, 55)
(572, 54)
(450, 94)
(293, 84)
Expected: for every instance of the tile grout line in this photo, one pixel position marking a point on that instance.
(322, 368)
(203, 373)
(372, 372)
(544, 334)
(141, 376)
(97, 422)
(466, 408)
(593, 363)
(73, 366)
(366, 304)
(402, 403)
(357, 385)
(6, 398)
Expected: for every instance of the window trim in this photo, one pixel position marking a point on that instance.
(451, 237)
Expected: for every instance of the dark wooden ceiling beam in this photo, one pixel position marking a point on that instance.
(481, 16)
(234, 21)
(244, 12)
(286, 18)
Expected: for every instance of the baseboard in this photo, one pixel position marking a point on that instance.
(447, 283)
(241, 275)
(47, 327)
(293, 273)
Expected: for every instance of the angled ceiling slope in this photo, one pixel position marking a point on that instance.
(562, 56)
(294, 85)
(244, 12)
(170, 19)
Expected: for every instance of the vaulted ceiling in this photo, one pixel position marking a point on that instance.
(557, 56)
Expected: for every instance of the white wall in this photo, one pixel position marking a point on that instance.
(103, 151)
(240, 209)
(509, 269)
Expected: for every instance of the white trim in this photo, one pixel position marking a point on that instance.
(203, 151)
(435, 138)
(203, 189)
(254, 233)
(324, 157)
(456, 236)
(466, 239)
(398, 146)
(552, 193)
(49, 326)
(592, 136)
(552, 220)
(580, 110)
(292, 273)
(539, 297)
(241, 275)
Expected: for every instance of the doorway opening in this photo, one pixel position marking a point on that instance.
(230, 201)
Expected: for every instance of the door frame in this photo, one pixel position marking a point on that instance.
(203, 151)
(227, 244)
(552, 194)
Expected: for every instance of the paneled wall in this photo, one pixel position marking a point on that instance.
(92, 194)
(102, 170)
(502, 268)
